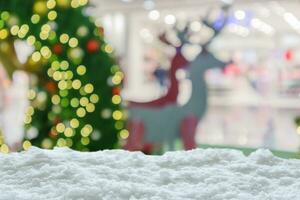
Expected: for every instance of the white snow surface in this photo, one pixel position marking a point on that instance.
(211, 174)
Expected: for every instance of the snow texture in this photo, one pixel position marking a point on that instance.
(119, 175)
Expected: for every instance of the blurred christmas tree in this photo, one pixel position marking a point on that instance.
(75, 96)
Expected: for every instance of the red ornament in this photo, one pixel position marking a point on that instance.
(57, 49)
(92, 46)
(116, 91)
(288, 55)
(51, 87)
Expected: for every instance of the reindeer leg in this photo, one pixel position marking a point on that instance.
(188, 130)
(136, 135)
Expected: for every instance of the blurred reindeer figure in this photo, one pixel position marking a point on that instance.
(163, 123)
(178, 61)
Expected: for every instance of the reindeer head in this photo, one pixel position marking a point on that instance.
(206, 60)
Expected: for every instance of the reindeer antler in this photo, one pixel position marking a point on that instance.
(225, 9)
(163, 38)
(183, 35)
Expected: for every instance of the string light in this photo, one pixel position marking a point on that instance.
(26, 145)
(116, 99)
(52, 15)
(35, 18)
(88, 88)
(124, 134)
(64, 38)
(4, 148)
(117, 115)
(94, 98)
(3, 34)
(81, 112)
(74, 123)
(81, 69)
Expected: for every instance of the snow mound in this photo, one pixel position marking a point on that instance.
(211, 174)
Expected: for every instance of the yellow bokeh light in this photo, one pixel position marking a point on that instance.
(30, 110)
(47, 143)
(64, 38)
(85, 140)
(55, 99)
(74, 123)
(4, 148)
(62, 85)
(44, 35)
(3, 34)
(36, 56)
(46, 28)
(31, 40)
(61, 142)
(90, 108)
(27, 119)
(81, 70)
(75, 3)
(40, 7)
(23, 30)
(88, 88)
(55, 65)
(52, 15)
(57, 75)
(69, 75)
(83, 2)
(94, 98)
(116, 99)
(76, 84)
(108, 49)
(35, 18)
(51, 4)
(60, 127)
(86, 130)
(117, 115)
(116, 79)
(84, 101)
(64, 65)
(26, 145)
(46, 52)
(124, 134)
(14, 30)
(73, 42)
(69, 132)
(80, 112)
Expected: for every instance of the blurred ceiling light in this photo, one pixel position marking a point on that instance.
(126, 1)
(292, 21)
(239, 30)
(154, 15)
(149, 4)
(240, 14)
(262, 26)
(170, 19)
(195, 26)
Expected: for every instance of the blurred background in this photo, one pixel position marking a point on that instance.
(250, 102)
